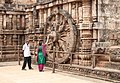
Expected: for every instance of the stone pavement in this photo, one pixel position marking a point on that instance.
(12, 73)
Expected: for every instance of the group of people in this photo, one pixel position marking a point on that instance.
(40, 55)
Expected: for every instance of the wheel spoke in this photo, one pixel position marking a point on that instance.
(63, 45)
(62, 40)
(62, 26)
(57, 49)
(67, 30)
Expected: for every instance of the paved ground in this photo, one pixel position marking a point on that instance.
(12, 73)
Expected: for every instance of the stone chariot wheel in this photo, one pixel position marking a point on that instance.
(62, 34)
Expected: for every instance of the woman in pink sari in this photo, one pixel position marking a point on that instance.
(41, 55)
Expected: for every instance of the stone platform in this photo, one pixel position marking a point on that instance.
(10, 72)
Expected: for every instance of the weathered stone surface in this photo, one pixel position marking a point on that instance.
(109, 18)
(73, 26)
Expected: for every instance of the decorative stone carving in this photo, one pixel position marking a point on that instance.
(60, 33)
(115, 53)
(100, 47)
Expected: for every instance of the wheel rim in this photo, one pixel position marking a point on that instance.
(62, 30)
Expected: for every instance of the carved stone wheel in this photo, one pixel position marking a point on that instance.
(62, 34)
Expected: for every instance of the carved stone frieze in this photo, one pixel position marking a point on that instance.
(87, 71)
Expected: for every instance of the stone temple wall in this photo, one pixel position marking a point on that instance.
(109, 20)
(19, 1)
(12, 26)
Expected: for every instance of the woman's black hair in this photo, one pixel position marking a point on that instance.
(40, 43)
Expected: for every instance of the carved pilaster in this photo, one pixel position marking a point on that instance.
(15, 39)
(23, 22)
(26, 21)
(66, 7)
(7, 22)
(1, 19)
(5, 40)
(30, 20)
(14, 22)
(94, 10)
(18, 22)
(74, 10)
(86, 26)
(77, 13)
(45, 16)
(4, 21)
(9, 39)
(95, 34)
(49, 11)
(70, 8)
(87, 11)
(42, 17)
(10, 21)
(1, 40)
(19, 40)
(2, 1)
(80, 9)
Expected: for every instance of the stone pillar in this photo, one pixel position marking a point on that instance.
(87, 25)
(86, 34)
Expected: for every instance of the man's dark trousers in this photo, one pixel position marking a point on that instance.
(27, 60)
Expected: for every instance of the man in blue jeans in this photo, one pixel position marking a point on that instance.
(27, 55)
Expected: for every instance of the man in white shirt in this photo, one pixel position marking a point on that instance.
(27, 55)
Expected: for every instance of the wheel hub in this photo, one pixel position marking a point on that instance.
(55, 36)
